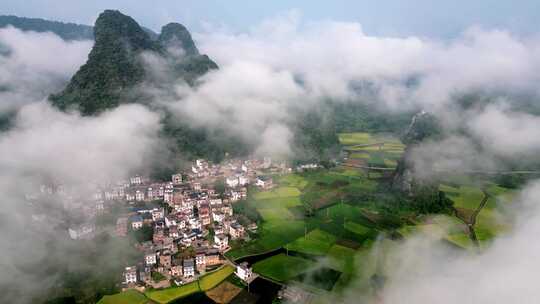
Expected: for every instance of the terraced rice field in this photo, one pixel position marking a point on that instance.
(126, 297)
(170, 294)
(282, 267)
(316, 242)
(376, 150)
(205, 283)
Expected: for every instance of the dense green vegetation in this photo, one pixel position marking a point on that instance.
(314, 137)
(68, 31)
(282, 267)
(114, 65)
(171, 294)
(115, 68)
(316, 242)
(177, 35)
(341, 213)
(205, 283)
(143, 234)
(365, 117)
(211, 280)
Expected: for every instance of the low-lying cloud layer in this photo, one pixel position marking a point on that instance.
(34, 65)
(264, 74)
(285, 63)
(422, 271)
(333, 58)
(45, 145)
(79, 149)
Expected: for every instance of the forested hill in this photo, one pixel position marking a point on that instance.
(115, 66)
(68, 31)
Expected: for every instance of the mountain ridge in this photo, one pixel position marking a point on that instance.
(66, 30)
(114, 65)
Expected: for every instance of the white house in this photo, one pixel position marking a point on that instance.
(83, 231)
(157, 214)
(130, 196)
(243, 271)
(130, 274)
(200, 260)
(173, 232)
(201, 163)
(236, 231)
(150, 193)
(168, 195)
(243, 180)
(219, 229)
(215, 201)
(139, 195)
(159, 191)
(189, 268)
(136, 222)
(221, 241)
(150, 258)
(264, 182)
(170, 220)
(235, 196)
(136, 180)
(195, 223)
(227, 210)
(218, 217)
(231, 182)
(177, 178)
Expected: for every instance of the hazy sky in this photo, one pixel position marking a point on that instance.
(389, 17)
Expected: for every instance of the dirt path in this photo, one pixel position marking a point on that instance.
(471, 221)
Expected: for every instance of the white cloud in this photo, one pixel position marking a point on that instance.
(45, 144)
(506, 132)
(78, 149)
(422, 271)
(330, 56)
(34, 65)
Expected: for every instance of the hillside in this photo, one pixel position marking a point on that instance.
(115, 65)
(68, 31)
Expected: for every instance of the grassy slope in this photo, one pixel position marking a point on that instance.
(210, 281)
(316, 242)
(282, 267)
(171, 294)
(279, 225)
(341, 258)
(385, 155)
(126, 297)
(206, 282)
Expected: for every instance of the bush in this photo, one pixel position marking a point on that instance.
(157, 277)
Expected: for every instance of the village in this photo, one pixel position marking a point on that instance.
(190, 217)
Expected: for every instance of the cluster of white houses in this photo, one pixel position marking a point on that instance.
(194, 218)
(186, 214)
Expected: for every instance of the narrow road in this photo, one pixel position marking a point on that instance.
(368, 167)
(471, 221)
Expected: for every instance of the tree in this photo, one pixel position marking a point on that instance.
(146, 233)
(219, 186)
